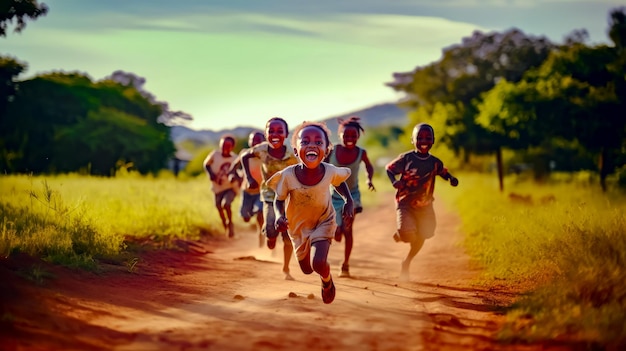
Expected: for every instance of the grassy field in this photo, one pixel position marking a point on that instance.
(563, 243)
(74, 219)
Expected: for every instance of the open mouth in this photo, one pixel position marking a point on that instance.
(311, 155)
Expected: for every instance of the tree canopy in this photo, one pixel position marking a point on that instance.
(19, 10)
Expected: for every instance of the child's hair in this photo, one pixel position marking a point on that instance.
(280, 120)
(321, 125)
(353, 121)
(228, 136)
(419, 127)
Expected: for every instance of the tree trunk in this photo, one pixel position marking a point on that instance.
(500, 168)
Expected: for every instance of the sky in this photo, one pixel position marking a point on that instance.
(232, 63)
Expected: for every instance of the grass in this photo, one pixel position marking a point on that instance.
(73, 219)
(562, 243)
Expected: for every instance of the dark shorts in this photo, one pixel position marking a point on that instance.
(416, 221)
(250, 205)
(269, 227)
(338, 203)
(224, 198)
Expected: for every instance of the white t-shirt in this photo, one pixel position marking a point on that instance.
(220, 166)
(309, 208)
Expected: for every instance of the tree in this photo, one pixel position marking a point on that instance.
(19, 10)
(99, 126)
(576, 95)
(462, 75)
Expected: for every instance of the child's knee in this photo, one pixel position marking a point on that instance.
(320, 265)
(305, 266)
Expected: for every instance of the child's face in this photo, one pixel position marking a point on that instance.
(349, 136)
(227, 146)
(423, 139)
(311, 146)
(276, 134)
(255, 138)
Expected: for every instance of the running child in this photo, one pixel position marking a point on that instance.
(415, 186)
(309, 216)
(217, 165)
(348, 154)
(274, 156)
(251, 204)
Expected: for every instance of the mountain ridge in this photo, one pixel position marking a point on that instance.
(385, 114)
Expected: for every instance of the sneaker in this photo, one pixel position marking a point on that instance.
(328, 291)
(271, 243)
(345, 271)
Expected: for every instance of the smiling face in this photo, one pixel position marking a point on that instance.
(423, 138)
(349, 136)
(276, 133)
(311, 146)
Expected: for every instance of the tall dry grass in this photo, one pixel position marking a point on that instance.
(562, 241)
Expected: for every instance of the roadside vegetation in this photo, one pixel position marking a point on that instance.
(75, 220)
(561, 243)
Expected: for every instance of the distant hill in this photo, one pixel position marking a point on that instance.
(376, 116)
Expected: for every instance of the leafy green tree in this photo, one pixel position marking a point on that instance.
(64, 122)
(576, 95)
(19, 10)
(461, 76)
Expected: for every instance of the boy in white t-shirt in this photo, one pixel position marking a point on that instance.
(217, 165)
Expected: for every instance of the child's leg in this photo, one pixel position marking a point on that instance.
(219, 198)
(229, 196)
(287, 253)
(269, 228)
(247, 202)
(416, 246)
(321, 266)
(305, 264)
(320, 258)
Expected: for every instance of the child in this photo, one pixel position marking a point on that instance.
(217, 165)
(274, 156)
(309, 216)
(349, 155)
(251, 205)
(414, 192)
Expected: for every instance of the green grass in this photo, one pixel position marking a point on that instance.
(73, 219)
(565, 247)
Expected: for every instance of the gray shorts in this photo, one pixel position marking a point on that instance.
(416, 221)
(224, 198)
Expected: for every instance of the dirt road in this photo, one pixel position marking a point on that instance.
(230, 295)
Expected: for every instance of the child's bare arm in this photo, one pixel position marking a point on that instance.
(245, 162)
(281, 222)
(207, 167)
(449, 177)
(370, 171)
(348, 207)
(396, 183)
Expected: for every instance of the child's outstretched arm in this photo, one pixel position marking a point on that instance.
(370, 171)
(233, 172)
(348, 207)
(396, 183)
(245, 162)
(281, 224)
(449, 177)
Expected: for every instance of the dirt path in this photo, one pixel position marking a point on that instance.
(234, 297)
